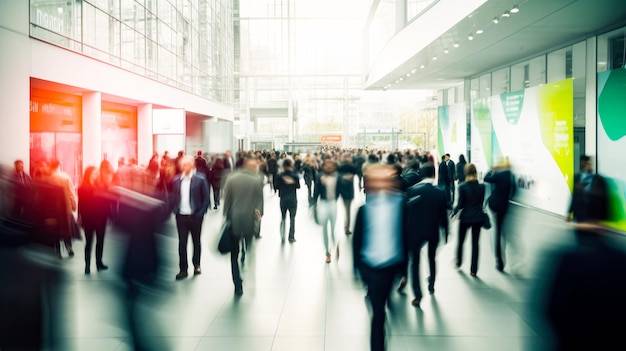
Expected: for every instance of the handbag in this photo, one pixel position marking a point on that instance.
(225, 244)
(486, 220)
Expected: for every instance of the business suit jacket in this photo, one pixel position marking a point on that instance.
(426, 213)
(287, 192)
(345, 182)
(452, 176)
(443, 174)
(358, 236)
(243, 194)
(460, 171)
(503, 190)
(470, 203)
(198, 194)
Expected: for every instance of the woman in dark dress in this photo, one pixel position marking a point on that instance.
(470, 203)
(93, 211)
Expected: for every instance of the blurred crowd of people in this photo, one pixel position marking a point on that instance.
(409, 202)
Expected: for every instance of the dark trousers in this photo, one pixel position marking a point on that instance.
(234, 263)
(498, 242)
(452, 191)
(415, 265)
(309, 189)
(379, 282)
(186, 224)
(347, 204)
(292, 207)
(216, 194)
(463, 227)
(90, 230)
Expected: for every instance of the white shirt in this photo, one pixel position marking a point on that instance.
(185, 189)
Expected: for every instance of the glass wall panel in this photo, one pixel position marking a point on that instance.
(612, 50)
(414, 8)
(500, 81)
(485, 85)
(193, 37)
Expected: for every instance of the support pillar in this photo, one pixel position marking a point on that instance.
(92, 129)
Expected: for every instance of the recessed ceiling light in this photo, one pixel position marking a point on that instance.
(434, 58)
(515, 9)
(422, 66)
(496, 20)
(506, 14)
(456, 45)
(480, 31)
(408, 74)
(413, 70)
(445, 51)
(400, 79)
(470, 37)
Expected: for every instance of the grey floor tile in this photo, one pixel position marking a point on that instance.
(293, 300)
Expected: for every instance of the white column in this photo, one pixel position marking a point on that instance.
(92, 129)
(145, 146)
(591, 116)
(15, 70)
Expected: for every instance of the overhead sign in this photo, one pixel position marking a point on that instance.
(331, 138)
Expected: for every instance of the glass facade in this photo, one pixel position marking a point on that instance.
(186, 44)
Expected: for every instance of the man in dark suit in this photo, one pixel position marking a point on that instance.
(379, 243)
(452, 176)
(503, 190)
(426, 214)
(191, 201)
(287, 183)
(443, 180)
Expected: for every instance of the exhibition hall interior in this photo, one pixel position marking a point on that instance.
(167, 131)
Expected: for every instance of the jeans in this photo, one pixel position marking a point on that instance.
(327, 216)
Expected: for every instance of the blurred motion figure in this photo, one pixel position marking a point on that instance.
(379, 243)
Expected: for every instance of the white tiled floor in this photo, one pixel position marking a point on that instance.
(294, 301)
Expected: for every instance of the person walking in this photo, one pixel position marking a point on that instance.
(287, 183)
(345, 187)
(309, 174)
(325, 210)
(502, 191)
(59, 178)
(470, 204)
(191, 201)
(426, 214)
(379, 243)
(217, 171)
(93, 211)
(243, 207)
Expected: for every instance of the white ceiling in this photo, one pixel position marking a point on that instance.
(539, 26)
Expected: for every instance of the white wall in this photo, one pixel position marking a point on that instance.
(51, 63)
(14, 82)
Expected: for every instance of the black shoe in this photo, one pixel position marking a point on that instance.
(197, 270)
(181, 275)
(102, 267)
(431, 286)
(215, 207)
(87, 270)
(416, 303)
(500, 267)
(239, 290)
(70, 252)
(292, 240)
